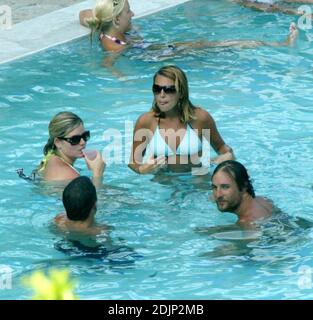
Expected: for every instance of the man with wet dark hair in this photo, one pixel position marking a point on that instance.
(79, 199)
(233, 192)
(80, 203)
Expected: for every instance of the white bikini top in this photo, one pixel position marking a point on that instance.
(189, 145)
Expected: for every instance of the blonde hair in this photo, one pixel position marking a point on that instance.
(104, 14)
(185, 107)
(59, 127)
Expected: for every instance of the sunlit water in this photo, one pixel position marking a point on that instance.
(262, 102)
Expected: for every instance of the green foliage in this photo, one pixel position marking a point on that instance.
(56, 286)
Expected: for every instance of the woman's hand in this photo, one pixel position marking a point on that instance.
(85, 15)
(223, 157)
(153, 165)
(97, 165)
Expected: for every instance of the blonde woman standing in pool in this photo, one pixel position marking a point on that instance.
(67, 142)
(112, 19)
(172, 132)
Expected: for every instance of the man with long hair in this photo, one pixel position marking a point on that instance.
(233, 192)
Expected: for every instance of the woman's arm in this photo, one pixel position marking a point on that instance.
(97, 167)
(83, 15)
(142, 135)
(211, 134)
(225, 153)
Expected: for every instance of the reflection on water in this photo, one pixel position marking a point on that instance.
(106, 253)
(279, 232)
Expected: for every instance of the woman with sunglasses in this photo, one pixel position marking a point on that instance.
(112, 20)
(171, 133)
(66, 143)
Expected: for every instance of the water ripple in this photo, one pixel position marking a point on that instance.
(47, 90)
(19, 98)
(4, 105)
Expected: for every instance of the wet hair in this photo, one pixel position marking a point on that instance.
(239, 173)
(60, 126)
(185, 107)
(79, 197)
(104, 14)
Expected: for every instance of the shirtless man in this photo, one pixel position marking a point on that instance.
(80, 203)
(233, 192)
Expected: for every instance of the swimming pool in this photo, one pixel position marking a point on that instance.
(261, 100)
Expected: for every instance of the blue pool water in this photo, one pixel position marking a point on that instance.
(262, 102)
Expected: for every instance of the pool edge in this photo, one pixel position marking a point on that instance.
(28, 37)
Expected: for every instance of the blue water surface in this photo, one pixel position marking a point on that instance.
(262, 102)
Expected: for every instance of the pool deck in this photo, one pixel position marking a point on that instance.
(60, 26)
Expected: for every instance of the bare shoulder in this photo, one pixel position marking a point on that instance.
(146, 120)
(58, 170)
(61, 221)
(60, 218)
(264, 204)
(99, 229)
(203, 117)
(55, 161)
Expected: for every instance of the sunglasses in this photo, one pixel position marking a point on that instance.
(76, 139)
(156, 89)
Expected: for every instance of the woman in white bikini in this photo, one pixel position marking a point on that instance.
(66, 143)
(112, 20)
(171, 133)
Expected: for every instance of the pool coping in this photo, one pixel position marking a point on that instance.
(31, 36)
